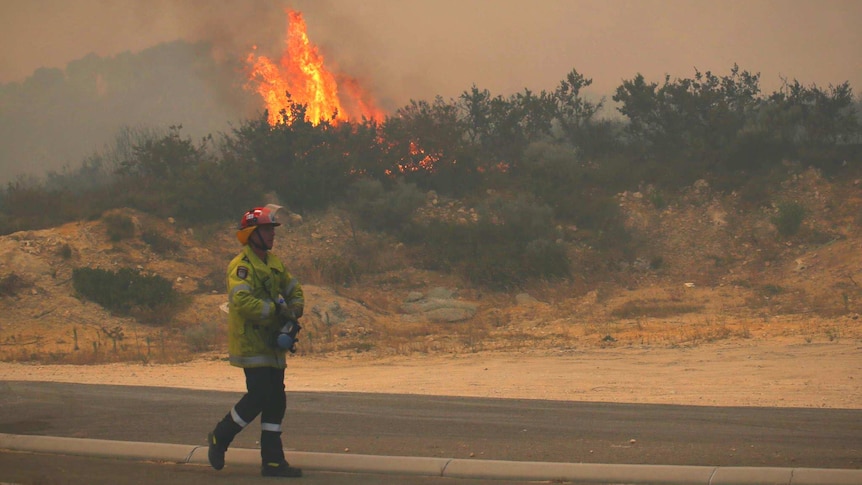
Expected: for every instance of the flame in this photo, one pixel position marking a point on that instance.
(300, 77)
(416, 160)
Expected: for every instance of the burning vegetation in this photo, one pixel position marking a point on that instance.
(543, 170)
(299, 76)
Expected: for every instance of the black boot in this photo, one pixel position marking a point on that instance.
(272, 456)
(219, 440)
(216, 452)
(282, 469)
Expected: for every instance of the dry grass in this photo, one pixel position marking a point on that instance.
(395, 336)
(653, 309)
(83, 346)
(758, 294)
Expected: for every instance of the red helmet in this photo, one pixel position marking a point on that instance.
(256, 217)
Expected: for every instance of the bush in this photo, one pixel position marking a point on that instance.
(127, 292)
(202, 337)
(788, 220)
(65, 251)
(11, 284)
(119, 227)
(510, 244)
(382, 210)
(338, 269)
(158, 243)
(213, 282)
(546, 258)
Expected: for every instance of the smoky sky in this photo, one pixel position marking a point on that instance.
(417, 49)
(398, 50)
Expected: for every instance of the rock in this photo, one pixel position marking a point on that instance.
(450, 314)
(763, 232)
(441, 293)
(438, 306)
(432, 304)
(334, 314)
(524, 299)
(294, 219)
(23, 263)
(641, 264)
(717, 215)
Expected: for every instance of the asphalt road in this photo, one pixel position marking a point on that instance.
(453, 427)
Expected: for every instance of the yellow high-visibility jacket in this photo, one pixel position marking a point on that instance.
(253, 288)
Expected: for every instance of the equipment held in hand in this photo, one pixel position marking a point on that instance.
(286, 338)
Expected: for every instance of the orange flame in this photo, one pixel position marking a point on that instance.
(300, 77)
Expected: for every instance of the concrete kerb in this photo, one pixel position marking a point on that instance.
(443, 467)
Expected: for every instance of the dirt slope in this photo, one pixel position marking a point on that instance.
(708, 268)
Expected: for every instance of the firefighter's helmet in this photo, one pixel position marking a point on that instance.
(258, 216)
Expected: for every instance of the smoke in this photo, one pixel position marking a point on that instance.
(234, 27)
(187, 71)
(151, 64)
(409, 49)
(231, 27)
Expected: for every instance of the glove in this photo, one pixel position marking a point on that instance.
(286, 338)
(283, 310)
(289, 311)
(297, 311)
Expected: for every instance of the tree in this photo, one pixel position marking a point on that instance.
(691, 123)
(574, 112)
(427, 146)
(818, 117)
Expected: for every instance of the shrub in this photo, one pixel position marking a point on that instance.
(788, 220)
(379, 209)
(510, 244)
(202, 337)
(11, 284)
(159, 243)
(119, 227)
(496, 266)
(213, 282)
(65, 251)
(546, 258)
(657, 200)
(338, 269)
(127, 292)
(653, 309)
(29, 204)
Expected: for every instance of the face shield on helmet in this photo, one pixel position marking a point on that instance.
(256, 217)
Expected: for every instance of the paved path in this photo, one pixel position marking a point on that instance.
(433, 437)
(405, 466)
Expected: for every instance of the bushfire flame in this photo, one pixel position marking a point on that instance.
(300, 77)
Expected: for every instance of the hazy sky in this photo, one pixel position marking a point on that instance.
(416, 49)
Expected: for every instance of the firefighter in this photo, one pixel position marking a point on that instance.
(261, 293)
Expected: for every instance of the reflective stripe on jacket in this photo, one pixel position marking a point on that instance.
(253, 287)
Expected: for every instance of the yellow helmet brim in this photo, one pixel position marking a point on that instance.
(243, 234)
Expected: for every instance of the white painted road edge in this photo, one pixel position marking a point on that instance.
(443, 467)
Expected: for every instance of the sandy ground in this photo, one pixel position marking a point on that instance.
(786, 373)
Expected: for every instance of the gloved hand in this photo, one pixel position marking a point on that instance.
(285, 311)
(288, 311)
(286, 338)
(297, 311)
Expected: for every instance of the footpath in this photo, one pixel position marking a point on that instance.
(444, 467)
